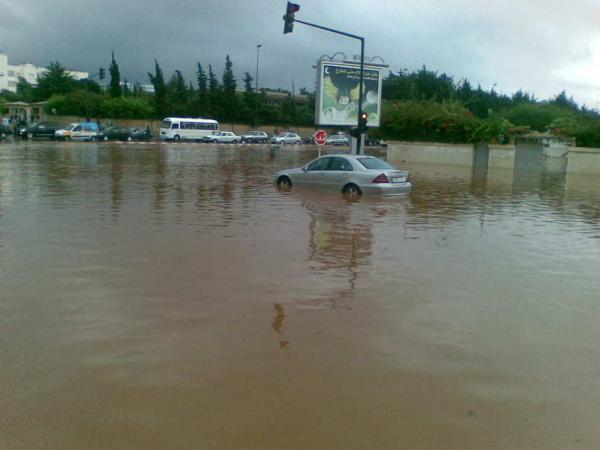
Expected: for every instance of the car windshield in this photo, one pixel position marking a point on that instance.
(373, 163)
(282, 135)
(166, 124)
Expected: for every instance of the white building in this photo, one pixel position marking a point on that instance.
(9, 75)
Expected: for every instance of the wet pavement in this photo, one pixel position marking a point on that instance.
(168, 296)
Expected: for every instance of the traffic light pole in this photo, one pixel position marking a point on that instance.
(362, 73)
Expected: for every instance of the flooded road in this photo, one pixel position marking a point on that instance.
(159, 296)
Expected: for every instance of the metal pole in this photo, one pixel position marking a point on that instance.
(359, 149)
(256, 88)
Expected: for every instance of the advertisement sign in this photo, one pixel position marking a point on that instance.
(338, 90)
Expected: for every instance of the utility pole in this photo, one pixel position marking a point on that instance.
(256, 88)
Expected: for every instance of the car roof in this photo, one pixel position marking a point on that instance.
(346, 155)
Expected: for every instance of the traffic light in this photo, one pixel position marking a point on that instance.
(101, 73)
(363, 118)
(291, 9)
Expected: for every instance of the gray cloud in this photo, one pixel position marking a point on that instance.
(542, 46)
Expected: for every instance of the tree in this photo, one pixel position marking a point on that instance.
(54, 81)
(126, 89)
(177, 94)
(160, 92)
(249, 98)
(25, 91)
(200, 101)
(201, 77)
(565, 102)
(230, 103)
(115, 78)
(214, 94)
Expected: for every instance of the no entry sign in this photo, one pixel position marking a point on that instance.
(321, 137)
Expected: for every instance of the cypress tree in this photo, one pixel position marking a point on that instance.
(230, 104)
(115, 78)
(160, 91)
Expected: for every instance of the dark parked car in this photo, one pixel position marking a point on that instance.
(117, 134)
(4, 131)
(259, 137)
(40, 130)
(141, 134)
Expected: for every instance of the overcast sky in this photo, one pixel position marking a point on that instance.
(540, 46)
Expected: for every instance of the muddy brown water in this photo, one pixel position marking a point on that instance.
(158, 296)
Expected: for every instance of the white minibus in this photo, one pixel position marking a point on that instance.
(183, 128)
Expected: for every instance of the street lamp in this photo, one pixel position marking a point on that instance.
(256, 88)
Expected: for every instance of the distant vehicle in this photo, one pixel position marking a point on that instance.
(40, 130)
(4, 131)
(141, 134)
(222, 137)
(259, 137)
(181, 128)
(116, 134)
(351, 174)
(84, 131)
(338, 139)
(286, 138)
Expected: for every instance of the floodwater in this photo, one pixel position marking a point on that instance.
(157, 296)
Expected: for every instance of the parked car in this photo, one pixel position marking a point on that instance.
(286, 138)
(141, 134)
(222, 137)
(84, 131)
(259, 137)
(116, 134)
(4, 131)
(351, 174)
(40, 130)
(338, 139)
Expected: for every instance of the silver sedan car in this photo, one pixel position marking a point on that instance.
(351, 174)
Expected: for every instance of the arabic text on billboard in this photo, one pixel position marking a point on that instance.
(339, 92)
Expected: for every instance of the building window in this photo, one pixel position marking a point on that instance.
(11, 73)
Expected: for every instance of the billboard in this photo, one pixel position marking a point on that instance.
(337, 93)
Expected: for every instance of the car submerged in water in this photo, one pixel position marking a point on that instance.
(40, 130)
(353, 175)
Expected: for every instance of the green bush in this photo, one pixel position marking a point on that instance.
(538, 116)
(427, 120)
(588, 136)
(127, 108)
(76, 103)
(494, 129)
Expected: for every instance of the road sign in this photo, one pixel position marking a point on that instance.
(321, 137)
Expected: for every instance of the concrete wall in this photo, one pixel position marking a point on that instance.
(583, 161)
(556, 150)
(501, 156)
(430, 152)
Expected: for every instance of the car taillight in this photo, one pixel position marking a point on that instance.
(382, 178)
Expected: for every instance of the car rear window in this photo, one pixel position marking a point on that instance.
(373, 163)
